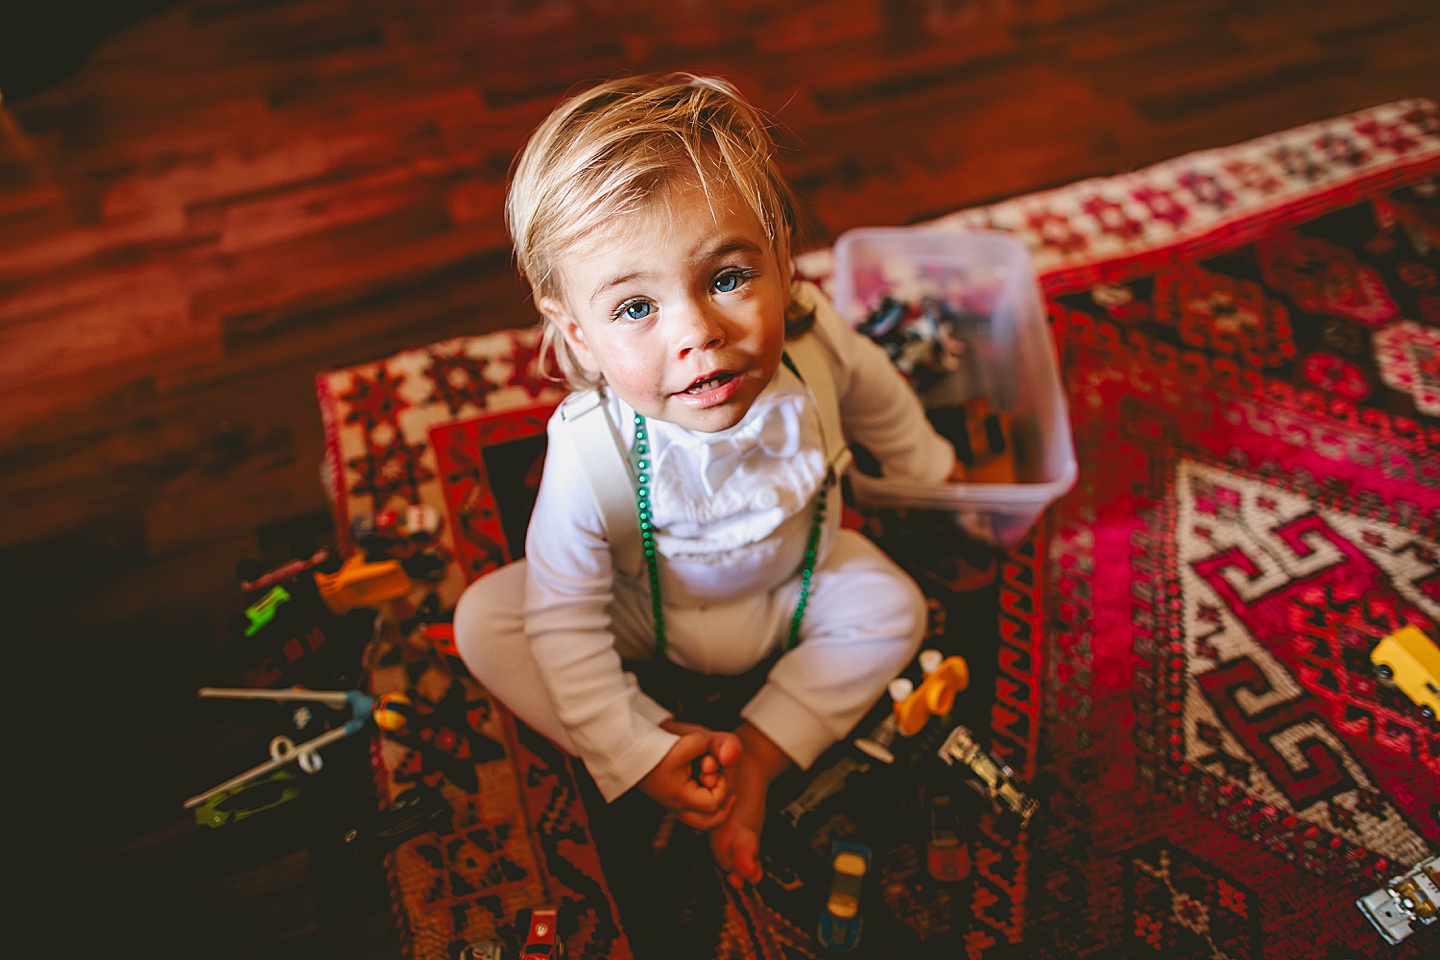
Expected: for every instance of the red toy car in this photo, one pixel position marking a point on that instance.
(947, 855)
(543, 939)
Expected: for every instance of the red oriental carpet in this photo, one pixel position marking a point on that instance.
(1176, 662)
(1259, 505)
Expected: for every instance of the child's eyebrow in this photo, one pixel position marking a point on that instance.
(618, 281)
(723, 246)
(707, 253)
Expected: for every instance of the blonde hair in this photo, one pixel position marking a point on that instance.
(606, 152)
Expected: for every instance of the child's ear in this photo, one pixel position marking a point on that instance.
(786, 260)
(554, 312)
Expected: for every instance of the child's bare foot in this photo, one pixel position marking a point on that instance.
(736, 842)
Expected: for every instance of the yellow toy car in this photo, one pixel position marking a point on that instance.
(840, 921)
(1410, 660)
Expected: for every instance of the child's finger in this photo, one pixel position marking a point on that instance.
(702, 767)
(696, 796)
(707, 771)
(698, 774)
(708, 821)
(688, 749)
(718, 785)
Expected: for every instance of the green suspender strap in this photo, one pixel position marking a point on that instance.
(622, 487)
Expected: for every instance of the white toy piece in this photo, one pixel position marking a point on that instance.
(1409, 900)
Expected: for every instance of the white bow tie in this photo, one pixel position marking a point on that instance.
(773, 431)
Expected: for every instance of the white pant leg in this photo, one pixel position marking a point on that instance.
(490, 634)
(863, 624)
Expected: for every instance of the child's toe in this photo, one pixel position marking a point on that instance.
(747, 857)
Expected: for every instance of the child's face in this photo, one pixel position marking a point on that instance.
(681, 307)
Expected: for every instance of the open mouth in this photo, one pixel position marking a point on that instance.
(709, 383)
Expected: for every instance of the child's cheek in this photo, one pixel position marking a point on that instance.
(635, 379)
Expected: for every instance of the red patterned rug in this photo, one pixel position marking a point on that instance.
(518, 834)
(1177, 662)
(1257, 426)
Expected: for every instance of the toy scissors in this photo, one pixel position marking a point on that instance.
(388, 711)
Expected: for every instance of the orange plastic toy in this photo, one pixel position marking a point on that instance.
(944, 677)
(359, 583)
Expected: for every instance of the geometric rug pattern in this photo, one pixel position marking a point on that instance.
(1176, 660)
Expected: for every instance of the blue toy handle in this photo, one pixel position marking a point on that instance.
(361, 707)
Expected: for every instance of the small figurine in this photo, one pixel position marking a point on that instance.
(1412, 898)
(998, 779)
(826, 784)
(416, 521)
(840, 921)
(1410, 660)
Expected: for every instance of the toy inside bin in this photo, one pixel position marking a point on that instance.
(1007, 358)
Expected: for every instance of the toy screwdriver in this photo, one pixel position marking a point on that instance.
(390, 711)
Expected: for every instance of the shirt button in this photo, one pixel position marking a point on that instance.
(767, 498)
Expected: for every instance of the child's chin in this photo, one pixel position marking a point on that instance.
(713, 419)
(706, 424)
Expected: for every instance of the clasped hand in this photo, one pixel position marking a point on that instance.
(693, 780)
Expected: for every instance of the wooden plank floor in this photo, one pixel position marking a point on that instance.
(231, 195)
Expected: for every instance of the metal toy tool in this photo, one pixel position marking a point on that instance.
(389, 712)
(826, 784)
(999, 781)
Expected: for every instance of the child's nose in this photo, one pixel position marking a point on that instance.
(699, 327)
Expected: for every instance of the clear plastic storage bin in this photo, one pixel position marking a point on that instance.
(1009, 359)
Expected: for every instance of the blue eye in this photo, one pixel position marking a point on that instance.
(637, 309)
(727, 282)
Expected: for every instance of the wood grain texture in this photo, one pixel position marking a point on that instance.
(232, 195)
